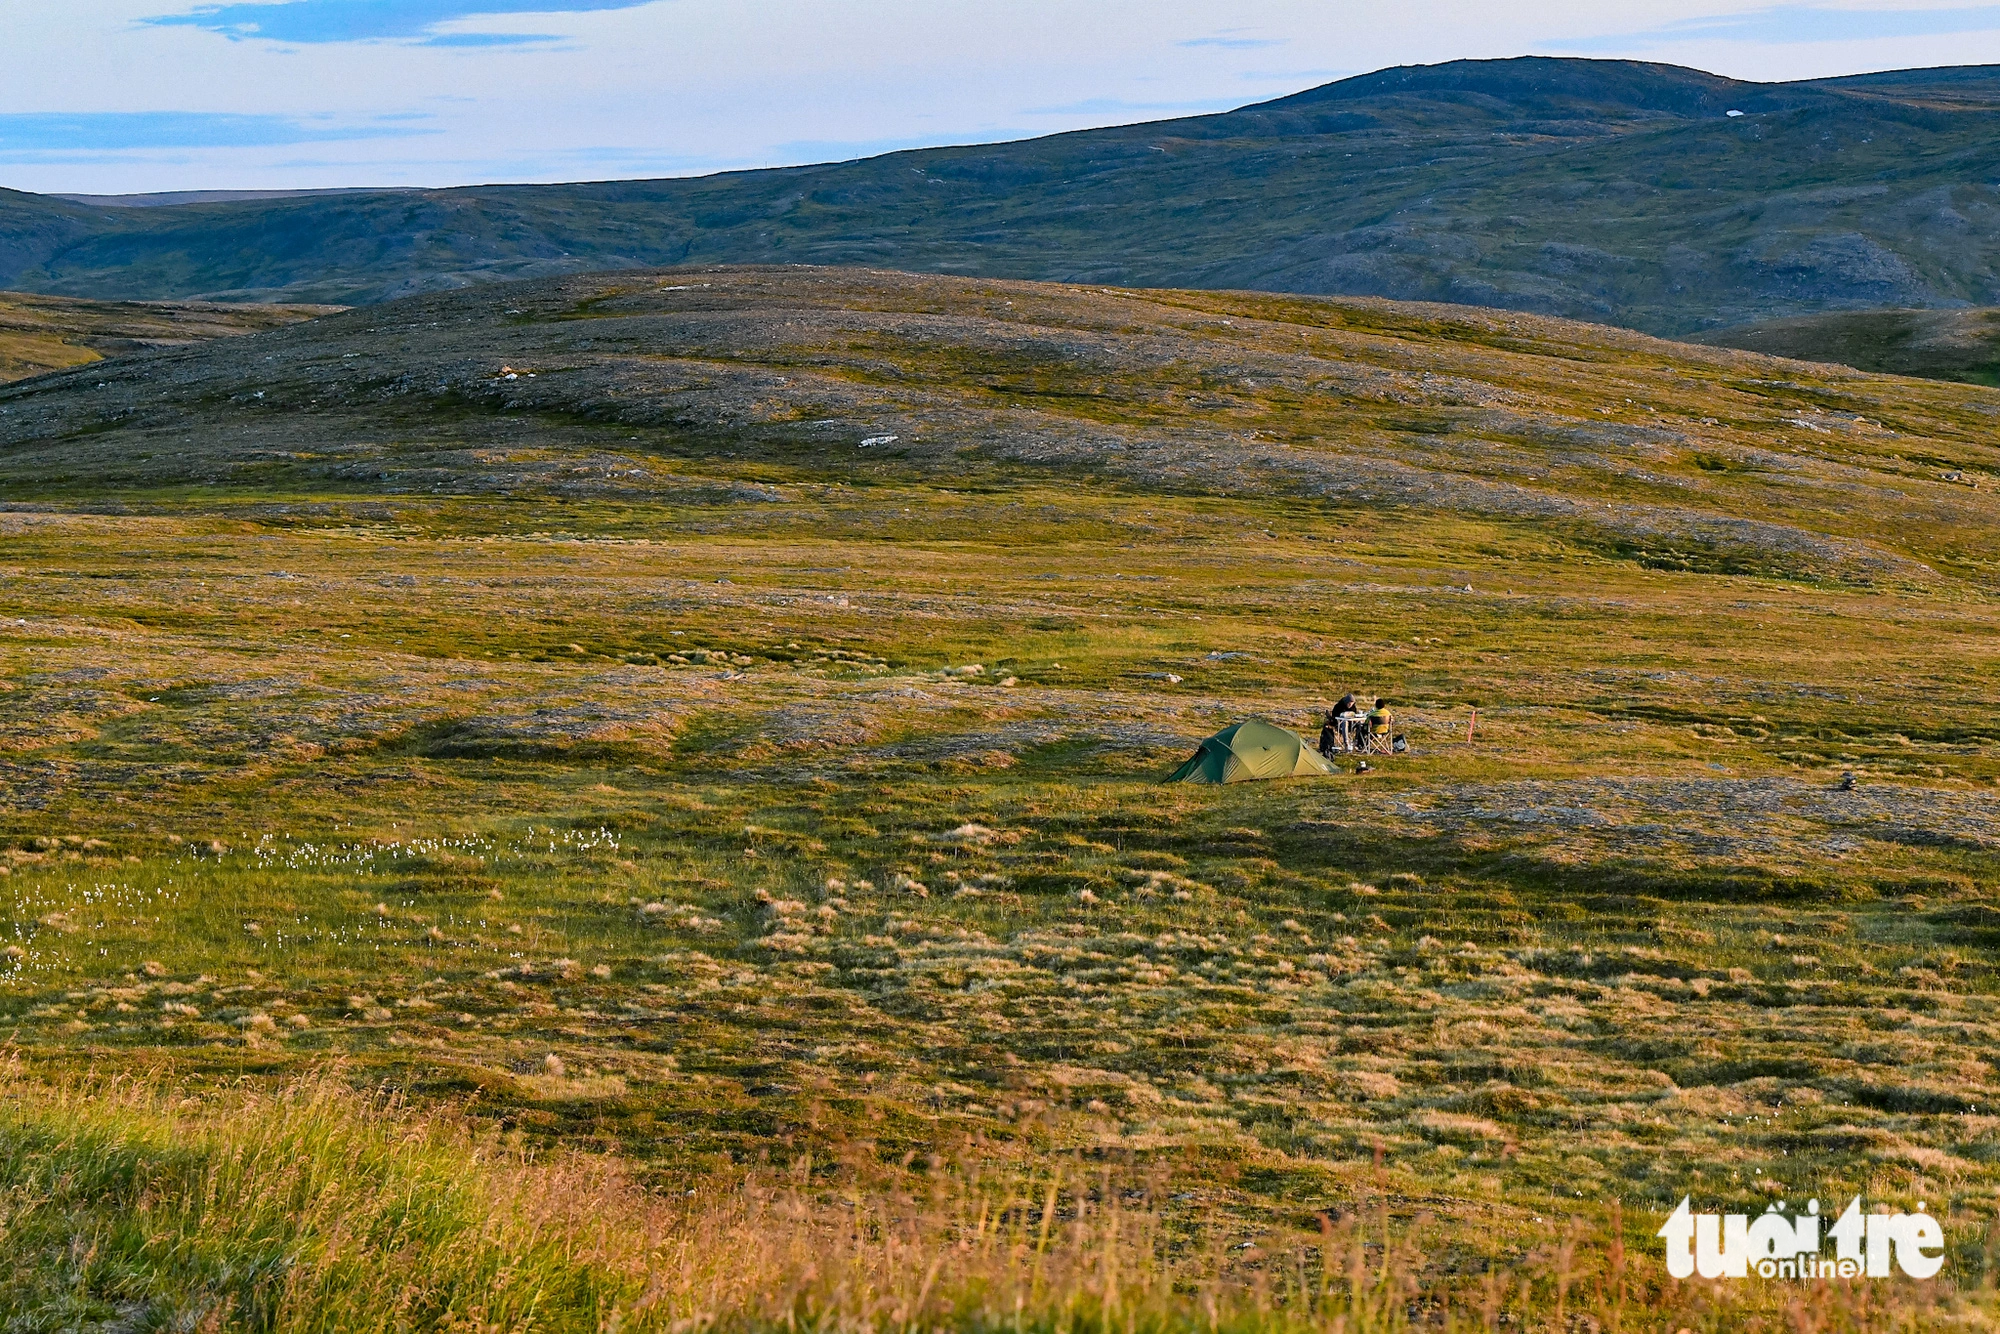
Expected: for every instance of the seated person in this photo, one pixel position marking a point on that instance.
(1380, 720)
(1329, 733)
(1341, 723)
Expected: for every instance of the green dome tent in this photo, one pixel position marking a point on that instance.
(1251, 750)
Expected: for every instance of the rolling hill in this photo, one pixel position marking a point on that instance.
(1961, 345)
(1609, 191)
(1707, 459)
(41, 333)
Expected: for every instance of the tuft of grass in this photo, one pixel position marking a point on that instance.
(303, 1209)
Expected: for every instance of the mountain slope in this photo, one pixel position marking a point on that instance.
(1604, 190)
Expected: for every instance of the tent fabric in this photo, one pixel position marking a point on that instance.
(1249, 751)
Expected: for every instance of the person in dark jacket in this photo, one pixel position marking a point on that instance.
(1337, 734)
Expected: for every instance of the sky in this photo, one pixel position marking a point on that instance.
(131, 96)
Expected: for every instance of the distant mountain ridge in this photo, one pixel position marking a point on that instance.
(1612, 191)
(174, 198)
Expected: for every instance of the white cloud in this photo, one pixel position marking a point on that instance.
(1788, 25)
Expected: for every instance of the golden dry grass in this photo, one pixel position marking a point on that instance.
(307, 1208)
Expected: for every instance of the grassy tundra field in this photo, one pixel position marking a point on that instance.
(632, 802)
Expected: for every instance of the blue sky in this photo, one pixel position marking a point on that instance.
(420, 22)
(118, 96)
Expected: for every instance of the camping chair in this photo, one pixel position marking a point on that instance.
(1375, 743)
